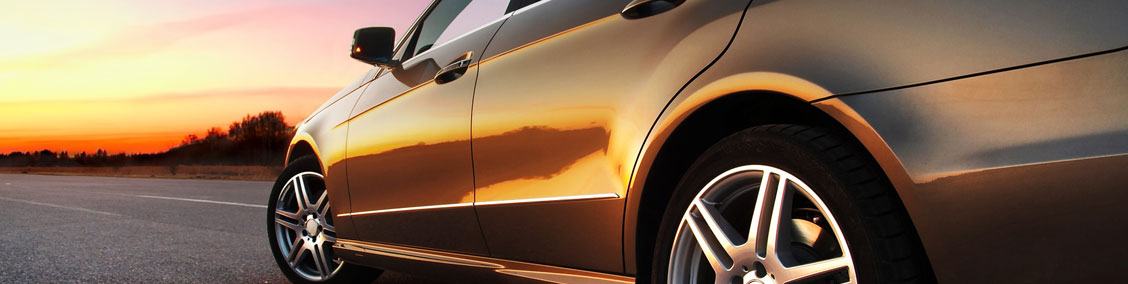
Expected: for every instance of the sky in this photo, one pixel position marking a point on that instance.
(137, 76)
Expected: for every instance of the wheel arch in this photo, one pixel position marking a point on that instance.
(302, 145)
(694, 122)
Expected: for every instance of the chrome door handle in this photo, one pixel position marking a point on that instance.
(453, 71)
(646, 8)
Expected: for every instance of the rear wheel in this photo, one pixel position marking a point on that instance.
(301, 229)
(786, 204)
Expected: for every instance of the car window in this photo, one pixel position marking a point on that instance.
(476, 15)
(514, 5)
(450, 19)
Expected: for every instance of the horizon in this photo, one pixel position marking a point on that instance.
(199, 135)
(138, 76)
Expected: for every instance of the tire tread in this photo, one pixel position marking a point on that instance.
(898, 251)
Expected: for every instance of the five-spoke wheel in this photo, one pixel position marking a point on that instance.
(786, 204)
(758, 224)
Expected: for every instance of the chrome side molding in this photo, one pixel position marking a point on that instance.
(550, 199)
(466, 204)
(596, 196)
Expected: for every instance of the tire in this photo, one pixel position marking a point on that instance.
(841, 218)
(293, 237)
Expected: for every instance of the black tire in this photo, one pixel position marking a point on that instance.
(348, 273)
(883, 242)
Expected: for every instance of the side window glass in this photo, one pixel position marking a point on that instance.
(514, 5)
(437, 21)
(476, 15)
(450, 19)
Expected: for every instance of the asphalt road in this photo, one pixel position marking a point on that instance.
(72, 229)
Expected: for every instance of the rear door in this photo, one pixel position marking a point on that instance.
(408, 155)
(564, 100)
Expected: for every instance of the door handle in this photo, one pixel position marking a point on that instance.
(645, 8)
(453, 71)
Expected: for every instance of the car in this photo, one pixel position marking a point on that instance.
(723, 141)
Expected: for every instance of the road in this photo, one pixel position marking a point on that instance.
(75, 229)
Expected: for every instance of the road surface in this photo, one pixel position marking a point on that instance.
(74, 229)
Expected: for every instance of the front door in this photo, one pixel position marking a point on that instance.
(408, 161)
(563, 104)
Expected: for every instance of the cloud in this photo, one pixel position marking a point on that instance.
(302, 93)
(315, 94)
(136, 42)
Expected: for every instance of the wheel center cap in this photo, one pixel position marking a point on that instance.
(312, 227)
(760, 281)
(751, 278)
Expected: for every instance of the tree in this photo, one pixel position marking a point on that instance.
(65, 159)
(255, 140)
(45, 158)
(260, 139)
(190, 140)
(82, 158)
(117, 160)
(215, 134)
(100, 157)
(268, 125)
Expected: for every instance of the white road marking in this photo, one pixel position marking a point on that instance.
(204, 201)
(60, 206)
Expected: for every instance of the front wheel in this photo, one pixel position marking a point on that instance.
(301, 230)
(786, 204)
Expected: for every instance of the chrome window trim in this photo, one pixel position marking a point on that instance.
(538, 3)
(422, 54)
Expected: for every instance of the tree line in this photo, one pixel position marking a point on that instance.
(256, 140)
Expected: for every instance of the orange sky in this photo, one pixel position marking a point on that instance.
(137, 76)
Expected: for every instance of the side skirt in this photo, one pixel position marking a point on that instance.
(460, 267)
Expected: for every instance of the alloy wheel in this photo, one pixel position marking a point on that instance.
(759, 224)
(303, 227)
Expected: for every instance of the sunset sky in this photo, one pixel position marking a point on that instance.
(137, 76)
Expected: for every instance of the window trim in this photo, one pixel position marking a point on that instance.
(530, 6)
(412, 36)
(414, 28)
(412, 32)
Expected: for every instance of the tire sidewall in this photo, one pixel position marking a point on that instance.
(348, 273)
(299, 165)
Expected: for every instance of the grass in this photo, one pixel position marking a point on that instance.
(257, 173)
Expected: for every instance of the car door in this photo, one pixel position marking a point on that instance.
(408, 160)
(564, 101)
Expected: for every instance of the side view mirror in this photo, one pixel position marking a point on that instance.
(374, 45)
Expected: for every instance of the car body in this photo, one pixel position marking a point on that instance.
(1002, 126)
